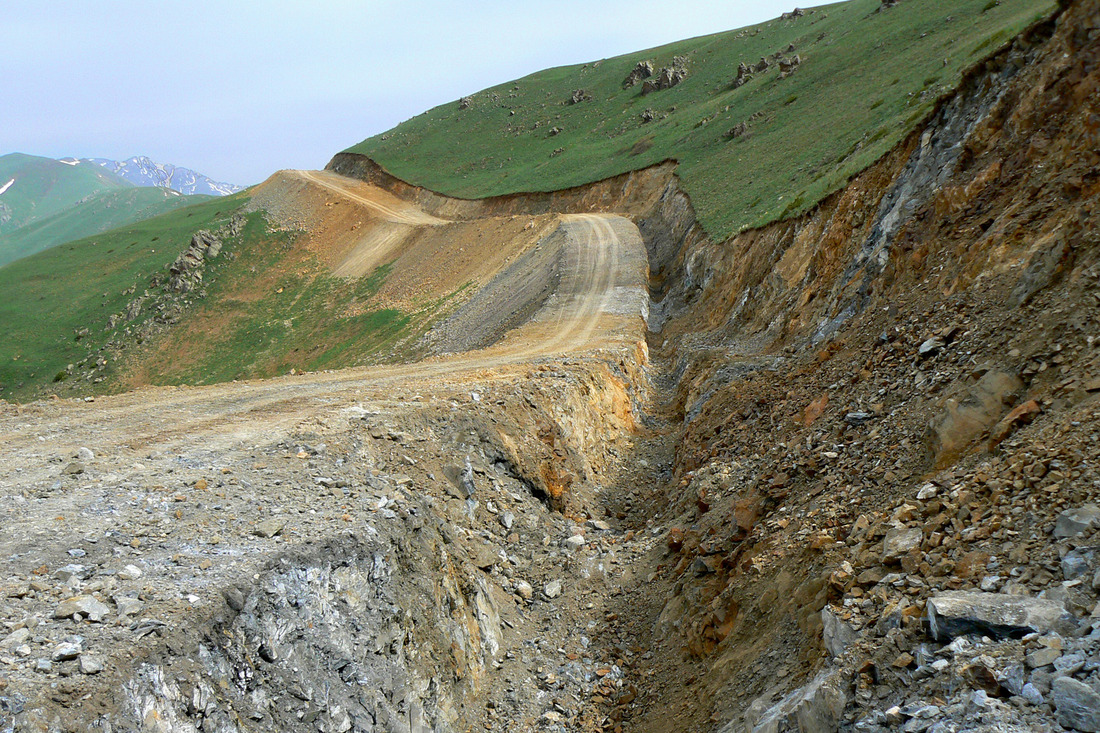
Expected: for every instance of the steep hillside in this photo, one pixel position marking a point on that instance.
(141, 170)
(92, 215)
(34, 188)
(752, 147)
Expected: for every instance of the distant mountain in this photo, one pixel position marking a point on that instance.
(33, 188)
(143, 171)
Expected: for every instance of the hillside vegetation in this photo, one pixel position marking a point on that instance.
(41, 187)
(97, 213)
(867, 76)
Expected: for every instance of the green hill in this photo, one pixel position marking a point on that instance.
(36, 188)
(867, 76)
(98, 213)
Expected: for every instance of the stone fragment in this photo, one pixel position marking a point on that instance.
(574, 542)
(1042, 657)
(1019, 416)
(84, 454)
(128, 606)
(898, 542)
(1077, 521)
(70, 571)
(65, 651)
(87, 606)
(552, 589)
(130, 572)
(997, 615)
(524, 589)
(73, 469)
(15, 638)
(1077, 704)
(1075, 565)
(90, 664)
(817, 706)
(269, 527)
(837, 635)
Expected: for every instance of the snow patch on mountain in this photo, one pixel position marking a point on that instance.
(6, 186)
(143, 171)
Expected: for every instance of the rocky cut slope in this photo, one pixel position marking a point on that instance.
(881, 510)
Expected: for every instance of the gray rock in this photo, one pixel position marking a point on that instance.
(997, 615)
(1077, 521)
(524, 589)
(1077, 704)
(128, 606)
(552, 589)
(899, 541)
(814, 708)
(130, 572)
(87, 606)
(1013, 679)
(930, 347)
(1031, 693)
(85, 455)
(234, 598)
(68, 572)
(507, 520)
(1069, 664)
(91, 664)
(1074, 565)
(73, 469)
(15, 638)
(269, 527)
(837, 635)
(44, 666)
(65, 651)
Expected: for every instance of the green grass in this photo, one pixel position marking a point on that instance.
(98, 213)
(43, 187)
(866, 79)
(266, 306)
(50, 296)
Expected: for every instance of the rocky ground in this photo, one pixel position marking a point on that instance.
(848, 479)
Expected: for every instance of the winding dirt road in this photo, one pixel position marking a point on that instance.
(600, 302)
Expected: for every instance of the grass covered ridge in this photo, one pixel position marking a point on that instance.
(867, 77)
(265, 306)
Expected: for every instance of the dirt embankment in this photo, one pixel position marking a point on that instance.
(913, 358)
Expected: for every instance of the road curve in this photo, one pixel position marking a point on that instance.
(600, 301)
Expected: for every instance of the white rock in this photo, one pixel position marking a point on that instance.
(552, 589)
(524, 589)
(84, 454)
(130, 572)
(86, 606)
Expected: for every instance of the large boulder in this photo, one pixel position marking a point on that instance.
(996, 615)
(813, 708)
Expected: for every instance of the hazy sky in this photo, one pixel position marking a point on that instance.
(239, 89)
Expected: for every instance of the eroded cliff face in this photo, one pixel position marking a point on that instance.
(892, 344)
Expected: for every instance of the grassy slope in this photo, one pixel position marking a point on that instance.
(866, 79)
(102, 211)
(44, 187)
(269, 306)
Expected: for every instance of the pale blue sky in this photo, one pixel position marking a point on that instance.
(240, 89)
